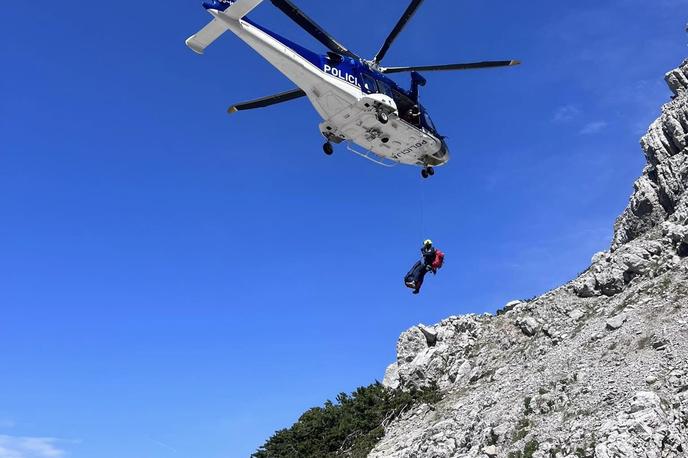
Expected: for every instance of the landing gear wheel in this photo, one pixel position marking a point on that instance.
(328, 148)
(427, 172)
(382, 117)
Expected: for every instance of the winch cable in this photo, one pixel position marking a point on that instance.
(423, 235)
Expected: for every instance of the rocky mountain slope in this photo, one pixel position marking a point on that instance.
(595, 368)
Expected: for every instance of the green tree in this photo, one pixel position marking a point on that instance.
(348, 428)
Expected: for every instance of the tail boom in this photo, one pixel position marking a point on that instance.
(236, 9)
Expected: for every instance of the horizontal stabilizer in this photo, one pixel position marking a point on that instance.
(206, 36)
(235, 9)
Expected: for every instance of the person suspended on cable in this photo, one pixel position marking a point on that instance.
(431, 260)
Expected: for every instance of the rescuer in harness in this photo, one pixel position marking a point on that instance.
(432, 260)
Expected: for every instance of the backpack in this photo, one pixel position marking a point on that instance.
(439, 260)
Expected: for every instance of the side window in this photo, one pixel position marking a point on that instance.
(384, 89)
(369, 84)
(334, 58)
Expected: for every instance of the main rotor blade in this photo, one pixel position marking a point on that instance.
(309, 25)
(267, 101)
(408, 14)
(468, 66)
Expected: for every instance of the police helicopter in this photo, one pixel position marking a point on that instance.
(359, 103)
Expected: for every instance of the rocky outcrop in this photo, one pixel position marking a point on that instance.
(659, 191)
(595, 368)
(652, 232)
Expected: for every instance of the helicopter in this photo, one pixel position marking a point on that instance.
(358, 102)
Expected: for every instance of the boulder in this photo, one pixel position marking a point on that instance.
(529, 326)
(677, 81)
(586, 285)
(509, 307)
(616, 322)
(598, 257)
(634, 258)
(645, 400)
(501, 431)
(576, 314)
(610, 280)
(490, 451)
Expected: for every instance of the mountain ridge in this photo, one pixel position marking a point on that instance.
(597, 367)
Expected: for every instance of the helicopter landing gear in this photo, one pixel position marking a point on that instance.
(382, 117)
(427, 172)
(328, 148)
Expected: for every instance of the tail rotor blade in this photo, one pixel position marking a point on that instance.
(449, 67)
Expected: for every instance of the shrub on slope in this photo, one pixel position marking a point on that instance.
(348, 428)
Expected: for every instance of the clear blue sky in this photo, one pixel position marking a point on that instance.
(177, 282)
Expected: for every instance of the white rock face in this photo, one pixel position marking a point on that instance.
(595, 368)
(391, 379)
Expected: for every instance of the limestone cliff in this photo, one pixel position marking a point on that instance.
(595, 368)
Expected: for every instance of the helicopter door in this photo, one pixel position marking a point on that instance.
(408, 109)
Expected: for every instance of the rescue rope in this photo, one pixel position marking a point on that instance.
(423, 235)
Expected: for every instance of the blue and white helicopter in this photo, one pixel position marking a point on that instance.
(360, 105)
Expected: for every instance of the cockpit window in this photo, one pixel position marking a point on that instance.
(369, 83)
(428, 122)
